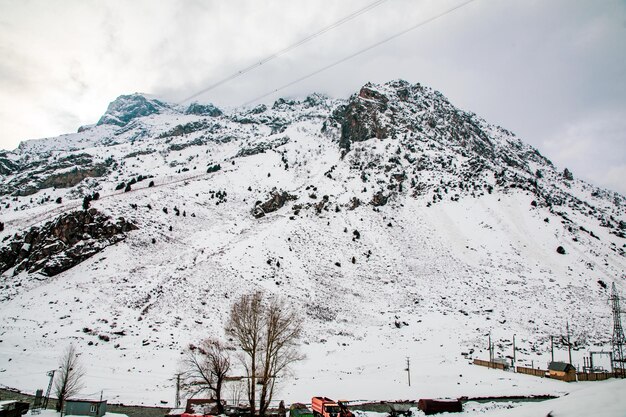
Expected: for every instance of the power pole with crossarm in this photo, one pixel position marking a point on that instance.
(618, 340)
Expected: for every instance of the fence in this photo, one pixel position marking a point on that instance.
(531, 371)
(594, 376)
(488, 364)
(564, 376)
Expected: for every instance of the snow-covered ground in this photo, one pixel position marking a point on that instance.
(429, 281)
(52, 413)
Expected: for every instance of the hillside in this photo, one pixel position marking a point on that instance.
(399, 224)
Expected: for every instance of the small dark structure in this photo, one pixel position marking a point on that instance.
(563, 371)
(12, 408)
(439, 406)
(299, 410)
(201, 406)
(93, 408)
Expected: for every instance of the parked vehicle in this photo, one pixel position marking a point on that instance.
(325, 407)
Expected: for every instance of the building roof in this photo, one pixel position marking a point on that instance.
(80, 400)
(560, 367)
(200, 406)
(7, 402)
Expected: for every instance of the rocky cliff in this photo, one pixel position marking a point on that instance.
(62, 243)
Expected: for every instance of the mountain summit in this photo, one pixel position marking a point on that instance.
(396, 222)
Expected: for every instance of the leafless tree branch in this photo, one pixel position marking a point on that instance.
(70, 376)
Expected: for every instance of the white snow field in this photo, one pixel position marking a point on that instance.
(464, 251)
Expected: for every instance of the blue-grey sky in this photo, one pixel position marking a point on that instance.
(552, 71)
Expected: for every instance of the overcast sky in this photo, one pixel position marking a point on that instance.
(552, 71)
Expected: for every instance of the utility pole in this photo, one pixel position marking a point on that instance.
(552, 347)
(569, 345)
(51, 375)
(490, 350)
(408, 369)
(177, 401)
(618, 341)
(514, 358)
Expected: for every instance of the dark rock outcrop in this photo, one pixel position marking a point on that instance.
(62, 243)
(567, 174)
(73, 177)
(262, 147)
(128, 107)
(7, 166)
(63, 173)
(203, 110)
(277, 200)
(379, 199)
(360, 118)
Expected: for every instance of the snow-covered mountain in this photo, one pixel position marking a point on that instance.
(399, 224)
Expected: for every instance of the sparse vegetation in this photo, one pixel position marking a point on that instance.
(69, 380)
(267, 330)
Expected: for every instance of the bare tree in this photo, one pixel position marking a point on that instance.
(71, 373)
(236, 391)
(206, 368)
(267, 331)
(245, 325)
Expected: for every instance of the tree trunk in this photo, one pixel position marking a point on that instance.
(252, 390)
(218, 397)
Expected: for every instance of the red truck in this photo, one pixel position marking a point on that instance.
(325, 407)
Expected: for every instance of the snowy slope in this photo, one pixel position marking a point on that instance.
(457, 224)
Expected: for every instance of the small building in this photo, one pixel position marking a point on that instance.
(13, 408)
(93, 408)
(563, 371)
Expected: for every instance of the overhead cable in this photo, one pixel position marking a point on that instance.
(287, 49)
(346, 58)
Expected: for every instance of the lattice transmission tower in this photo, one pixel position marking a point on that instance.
(618, 341)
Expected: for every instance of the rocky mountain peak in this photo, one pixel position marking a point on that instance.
(128, 107)
(203, 110)
(414, 113)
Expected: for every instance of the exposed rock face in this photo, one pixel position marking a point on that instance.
(398, 109)
(567, 174)
(277, 200)
(261, 108)
(63, 173)
(128, 107)
(7, 166)
(203, 110)
(360, 118)
(73, 177)
(62, 243)
(379, 199)
(262, 147)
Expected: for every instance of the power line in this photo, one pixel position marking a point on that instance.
(287, 49)
(342, 60)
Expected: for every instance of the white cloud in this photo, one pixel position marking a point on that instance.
(593, 148)
(534, 67)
